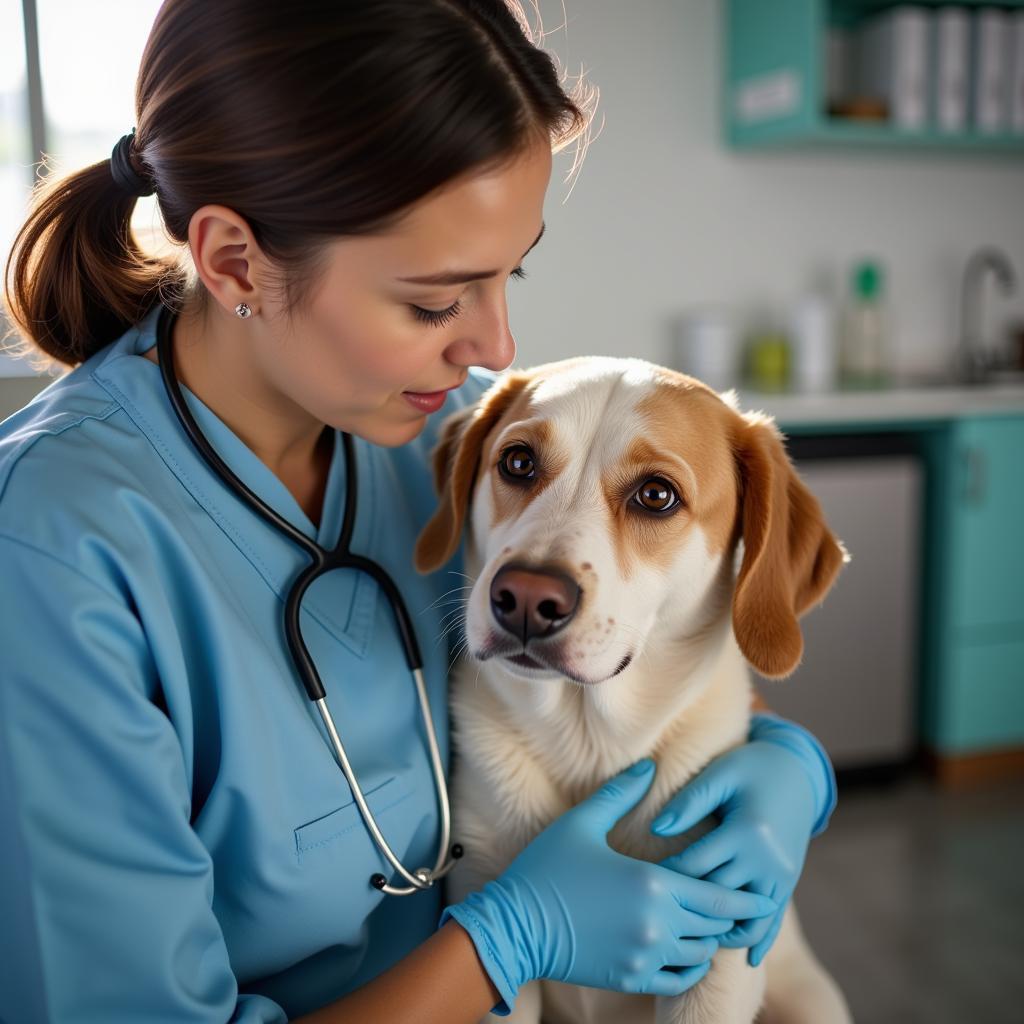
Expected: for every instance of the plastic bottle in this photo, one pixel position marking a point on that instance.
(864, 345)
(812, 328)
(768, 359)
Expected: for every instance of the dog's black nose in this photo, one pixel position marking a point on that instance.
(532, 602)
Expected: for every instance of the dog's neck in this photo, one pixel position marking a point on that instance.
(643, 711)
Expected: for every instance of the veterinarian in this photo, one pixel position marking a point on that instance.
(179, 840)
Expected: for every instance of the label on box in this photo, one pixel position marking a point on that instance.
(768, 96)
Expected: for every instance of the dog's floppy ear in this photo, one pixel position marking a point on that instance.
(790, 557)
(456, 461)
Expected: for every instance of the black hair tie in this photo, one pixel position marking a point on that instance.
(123, 173)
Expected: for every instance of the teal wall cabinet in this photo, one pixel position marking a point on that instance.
(775, 74)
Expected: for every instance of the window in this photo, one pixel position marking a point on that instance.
(15, 146)
(89, 57)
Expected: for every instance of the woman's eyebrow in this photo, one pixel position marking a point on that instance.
(462, 276)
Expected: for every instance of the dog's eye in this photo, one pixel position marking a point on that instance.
(516, 463)
(656, 496)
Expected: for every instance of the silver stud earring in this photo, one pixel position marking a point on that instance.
(243, 310)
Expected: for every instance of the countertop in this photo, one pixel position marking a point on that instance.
(900, 405)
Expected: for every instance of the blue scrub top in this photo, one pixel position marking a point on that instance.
(177, 841)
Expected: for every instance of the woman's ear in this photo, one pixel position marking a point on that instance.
(790, 556)
(456, 462)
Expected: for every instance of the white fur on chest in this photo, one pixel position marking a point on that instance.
(527, 752)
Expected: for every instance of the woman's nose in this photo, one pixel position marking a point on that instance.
(488, 341)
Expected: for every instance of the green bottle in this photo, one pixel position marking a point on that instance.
(863, 348)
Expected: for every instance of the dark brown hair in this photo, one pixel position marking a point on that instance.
(311, 119)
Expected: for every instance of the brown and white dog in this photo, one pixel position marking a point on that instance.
(610, 611)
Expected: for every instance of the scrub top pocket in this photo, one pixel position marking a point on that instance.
(342, 834)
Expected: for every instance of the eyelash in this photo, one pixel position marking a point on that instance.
(440, 317)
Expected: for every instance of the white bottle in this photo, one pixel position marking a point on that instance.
(706, 346)
(813, 337)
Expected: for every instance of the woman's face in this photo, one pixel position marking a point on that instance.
(368, 334)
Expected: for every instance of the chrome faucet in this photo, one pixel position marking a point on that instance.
(972, 360)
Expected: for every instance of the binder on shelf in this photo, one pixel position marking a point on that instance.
(950, 80)
(893, 63)
(1017, 73)
(838, 54)
(991, 71)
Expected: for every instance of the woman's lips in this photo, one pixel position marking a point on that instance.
(425, 402)
(428, 401)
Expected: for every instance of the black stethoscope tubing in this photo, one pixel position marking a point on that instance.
(323, 561)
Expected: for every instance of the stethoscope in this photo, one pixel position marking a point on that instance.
(323, 561)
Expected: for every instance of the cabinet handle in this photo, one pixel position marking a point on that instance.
(975, 476)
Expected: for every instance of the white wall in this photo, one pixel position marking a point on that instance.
(664, 217)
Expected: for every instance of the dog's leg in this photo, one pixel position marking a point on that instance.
(730, 993)
(798, 989)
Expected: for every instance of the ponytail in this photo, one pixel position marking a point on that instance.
(75, 278)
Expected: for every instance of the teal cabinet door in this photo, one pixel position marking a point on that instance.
(987, 528)
(984, 709)
(973, 696)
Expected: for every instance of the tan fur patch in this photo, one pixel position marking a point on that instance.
(509, 498)
(681, 417)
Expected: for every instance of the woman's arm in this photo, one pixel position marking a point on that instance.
(440, 982)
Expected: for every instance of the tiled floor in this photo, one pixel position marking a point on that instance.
(914, 900)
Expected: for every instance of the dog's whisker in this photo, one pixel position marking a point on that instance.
(458, 651)
(460, 610)
(454, 611)
(445, 635)
(447, 630)
(443, 596)
(453, 656)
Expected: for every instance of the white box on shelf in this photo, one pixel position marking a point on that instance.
(1017, 73)
(990, 90)
(892, 63)
(952, 39)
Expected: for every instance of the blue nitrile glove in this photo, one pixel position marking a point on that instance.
(776, 792)
(571, 908)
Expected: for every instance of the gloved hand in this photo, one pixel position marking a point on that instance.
(776, 792)
(571, 908)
